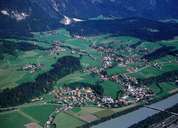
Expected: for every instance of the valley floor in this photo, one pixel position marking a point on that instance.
(128, 72)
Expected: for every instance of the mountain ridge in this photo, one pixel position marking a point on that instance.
(20, 17)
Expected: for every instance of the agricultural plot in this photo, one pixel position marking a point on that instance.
(150, 45)
(77, 77)
(170, 42)
(152, 71)
(117, 70)
(49, 37)
(110, 88)
(164, 89)
(64, 120)
(85, 110)
(13, 119)
(89, 62)
(87, 114)
(104, 113)
(40, 112)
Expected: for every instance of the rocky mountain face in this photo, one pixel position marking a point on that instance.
(22, 16)
(156, 9)
(18, 17)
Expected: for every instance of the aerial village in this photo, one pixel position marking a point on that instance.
(32, 68)
(132, 91)
(80, 96)
(83, 96)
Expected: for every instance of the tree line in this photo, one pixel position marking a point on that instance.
(170, 76)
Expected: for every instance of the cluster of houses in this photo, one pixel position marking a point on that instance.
(70, 98)
(107, 61)
(56, 48)
(102, 48)
(50, 122)
(32, 67)
(81, 96)
(53, 32)
(74, 97)
(79, 37)
(157, 66)
(132, 92)
(111, 57)
(137, 93)
(131, 88)
(111, 54)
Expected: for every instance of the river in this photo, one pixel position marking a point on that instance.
(136, 116)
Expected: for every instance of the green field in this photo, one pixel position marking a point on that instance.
(104, 113)
(61, 35)
(110, 88)
(64, 120)
(116, 70)
(170, 42)
(165, 91)
(152, 71)
(39, 113)
(13, 119)
(85, 110)
(77, 77)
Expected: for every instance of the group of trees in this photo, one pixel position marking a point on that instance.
(42, 84)
(10, 47)
(161, 52)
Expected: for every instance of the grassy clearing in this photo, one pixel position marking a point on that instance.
(166, 88)
(40, 112)
(110, 88)
(13, 120)
(64, 120)
(104, 113)
(61, 35)
(77, 77)
(150, 45)
(87, 61)
(82, 44)
(116, 70)
(170, 43)
(153, 72)
(76, 109)
(120, 109)
(85, 111)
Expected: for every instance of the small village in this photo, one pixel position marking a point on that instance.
(132, 92)
(32, 68)
(56, 48)
(86, 96)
